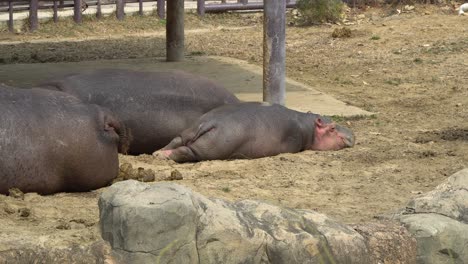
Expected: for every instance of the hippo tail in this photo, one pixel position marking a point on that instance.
(124, 133)
(125, 138)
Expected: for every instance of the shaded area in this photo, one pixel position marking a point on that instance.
(239, 77)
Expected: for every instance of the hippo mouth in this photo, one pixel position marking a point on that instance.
(347, 135)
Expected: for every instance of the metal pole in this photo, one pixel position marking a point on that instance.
(77, 11)
(175, 30)
(10, 16)
(120, 5)
(33, 19)
(201, 7)
(274, 51)
(160, 7)
(55, 12)
(99, 10)
(140, 7)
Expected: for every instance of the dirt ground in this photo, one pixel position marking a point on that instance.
(410, 69)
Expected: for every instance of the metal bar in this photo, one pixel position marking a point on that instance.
(274, 51)
(120, 5)
(175, 30)
(10, 16)
(98, 10)
(201, 7)
(140, 7)
(55, 12)
(240, 6)
(77, 11)
(161, 9)
(33, 19)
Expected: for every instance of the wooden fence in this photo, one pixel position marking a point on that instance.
(202, 8)
(79, 6)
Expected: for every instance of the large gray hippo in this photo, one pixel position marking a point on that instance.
(155, 106)
(52, 142)
(254, 130)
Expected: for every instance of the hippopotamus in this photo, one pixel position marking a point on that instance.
(52, 142)
(254, 130)
(155, 106)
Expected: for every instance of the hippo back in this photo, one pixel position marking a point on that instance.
(51, 142)
(155, 106)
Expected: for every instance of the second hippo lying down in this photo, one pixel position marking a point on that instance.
(52, 142)
(254, 130)
(154, 106)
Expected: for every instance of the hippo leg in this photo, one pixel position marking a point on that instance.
(180, 154)
(175, 143)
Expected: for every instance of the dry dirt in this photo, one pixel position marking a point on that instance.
(410, 69)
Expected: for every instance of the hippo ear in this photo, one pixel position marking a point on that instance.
(319, 122)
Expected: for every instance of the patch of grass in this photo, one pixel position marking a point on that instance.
(375, 37)
(340, 118)
(197, 53)
(394, 81)
(343, 81)
(343, 32)
(226, 189)
(319, 11)
(418, 60)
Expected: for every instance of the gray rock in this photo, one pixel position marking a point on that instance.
(440, 238)
(98, 252)
(438, 220)
(168, 223)
(449, 198)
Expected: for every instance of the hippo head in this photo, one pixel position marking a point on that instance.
(330, 136)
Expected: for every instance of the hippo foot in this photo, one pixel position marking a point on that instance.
(162, 154)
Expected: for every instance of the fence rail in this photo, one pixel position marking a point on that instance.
(80, 5)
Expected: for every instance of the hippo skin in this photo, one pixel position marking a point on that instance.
(254, 130)
(52, 142)
(155, 106)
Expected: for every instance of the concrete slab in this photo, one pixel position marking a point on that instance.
(240, 77)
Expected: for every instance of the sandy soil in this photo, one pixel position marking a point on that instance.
(411, 70)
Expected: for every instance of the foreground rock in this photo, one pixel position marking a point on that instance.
(439, 221)
(168, 223)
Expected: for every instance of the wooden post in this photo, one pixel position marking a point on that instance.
(55, 12)
(10, 16)
(140, 6)
(120, 5)
(274, 51)
(175, 30)
(77, 11)
(33, 19)
(99, 10)
(160, 8)
(201, 7)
